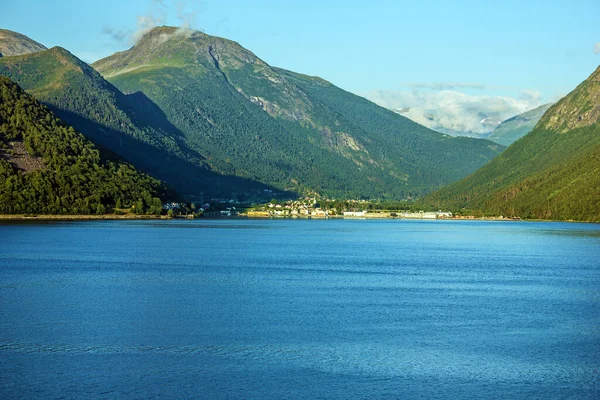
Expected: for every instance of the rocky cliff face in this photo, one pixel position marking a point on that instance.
(579, 109)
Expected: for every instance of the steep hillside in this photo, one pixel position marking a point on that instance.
(131, 126)
(47, 167)
(552, 172)
(250, 120)
(15, 44)
(518, 126)
(415, 148)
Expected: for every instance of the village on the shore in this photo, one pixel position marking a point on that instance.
(299, 209)
(315, 208)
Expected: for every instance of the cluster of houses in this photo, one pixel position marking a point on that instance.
(294, 209)
(426, 215)
(303, 208)
(173, 206)
(408, 215)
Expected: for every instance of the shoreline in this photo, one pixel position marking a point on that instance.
(132, 217)
(60, 217)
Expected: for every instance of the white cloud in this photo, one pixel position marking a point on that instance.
(446, 85)
(186, 17)
(531, 96)
(597, 48)
(144, 24)
(158, 14)
(455, 112)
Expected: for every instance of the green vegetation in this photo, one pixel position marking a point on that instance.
(426, 159)
(131, 126)
(63, 172)
(551, 173)
(298, 134)
(518, 126)
(72, 88)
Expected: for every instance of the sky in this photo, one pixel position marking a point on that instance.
(453, 63)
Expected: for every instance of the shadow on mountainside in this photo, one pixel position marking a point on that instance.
(190, 180)
(147, 114)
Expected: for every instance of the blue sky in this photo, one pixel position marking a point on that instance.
(478, 48)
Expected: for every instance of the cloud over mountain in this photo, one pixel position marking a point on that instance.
(453, 111)
(157, 15)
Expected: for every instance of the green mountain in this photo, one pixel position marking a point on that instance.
(14, 44)
(47, 167)
(131, 126)
(518, 126)
(297, 133)
(552, 173)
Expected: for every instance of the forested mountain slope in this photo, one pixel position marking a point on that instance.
(47, 167)
(552, 172)
(248, 119)
(414, 147)
(131, 126)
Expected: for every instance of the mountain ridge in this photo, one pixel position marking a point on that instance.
(294, 123)
(14, 44)
(128, 125)
(518, 126)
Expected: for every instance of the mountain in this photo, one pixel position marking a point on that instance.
(553, 172)
(14, 44)
(518, 126)
(47, 167)
(414, 148)
(297, 133)
(131, 126)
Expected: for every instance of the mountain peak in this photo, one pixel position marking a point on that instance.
(15, 44)
(168, 46)
(162, 34)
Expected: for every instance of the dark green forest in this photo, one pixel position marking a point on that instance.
(70, 176)
(545, 176)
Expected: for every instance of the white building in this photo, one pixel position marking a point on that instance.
(354, 213)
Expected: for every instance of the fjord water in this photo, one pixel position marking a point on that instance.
(299, 309)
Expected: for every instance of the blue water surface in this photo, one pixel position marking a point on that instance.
(299, 309)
